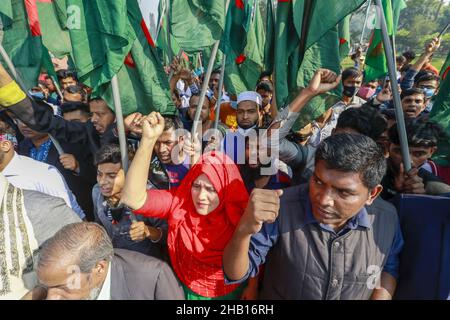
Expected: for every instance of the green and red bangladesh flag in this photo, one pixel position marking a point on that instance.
(106, 38)
(111, 38)
(376, 63)
(20, 35)
(307, 38)
(243, 42)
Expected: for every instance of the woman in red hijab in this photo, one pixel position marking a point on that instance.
(202, 214)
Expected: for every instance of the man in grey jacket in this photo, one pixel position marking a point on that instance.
(330, 239)
(79, 263)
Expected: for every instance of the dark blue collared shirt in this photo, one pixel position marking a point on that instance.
(267, 237)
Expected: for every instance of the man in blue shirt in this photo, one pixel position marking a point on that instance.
(331, 239)
(170, 164)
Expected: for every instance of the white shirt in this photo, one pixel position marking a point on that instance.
(105, 293)
(26, 173)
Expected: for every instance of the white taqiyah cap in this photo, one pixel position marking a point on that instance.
(250, 96)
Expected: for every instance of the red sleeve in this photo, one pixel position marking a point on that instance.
(157, 204)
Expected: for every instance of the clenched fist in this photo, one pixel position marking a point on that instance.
(263, 206)
(69, 162)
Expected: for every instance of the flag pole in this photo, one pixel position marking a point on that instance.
(365, 22)
(219, 98)
(401, 128)
(120, 123)
(205, 87)
(120, 128)
(212, 59)
(19, 80)
(169, 29)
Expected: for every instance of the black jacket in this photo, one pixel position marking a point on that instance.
(81, 184)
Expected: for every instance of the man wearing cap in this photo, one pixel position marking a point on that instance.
(248, 111)
(249, 117)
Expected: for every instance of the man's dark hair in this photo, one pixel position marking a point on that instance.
(420, 133)
(264, 74)
(410, 55)
(265, 86)
(365, 120)
(425, 76)
(197, 94)
(172, 122)
(389, 114)
(411, 91)
(349, 152)
(351, 73)
(400, 60)
(76, 89)
(216, 71)
(108, 153)
(62, 74)
(71, 106)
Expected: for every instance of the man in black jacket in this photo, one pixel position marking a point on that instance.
(39, 116)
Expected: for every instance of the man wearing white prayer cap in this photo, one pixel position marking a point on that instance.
(248, 112)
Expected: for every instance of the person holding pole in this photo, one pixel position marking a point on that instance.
(38, 116)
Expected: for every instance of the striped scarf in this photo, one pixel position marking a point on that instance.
(17, 244)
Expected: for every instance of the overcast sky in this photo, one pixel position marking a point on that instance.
(148, 6)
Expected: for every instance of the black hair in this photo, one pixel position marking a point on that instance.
(351, 73)
(108, 153)
(216, 71)
(420, 133)
(389, 114)
(410, 55)
(172, 122)
(411, 91)
(264, 74)
(400, 60)
(76, 89)
(71, 106)
(265, 86)
(62, 74)
(365, 120)
(197, 94)
(425, 76)
(349, 152)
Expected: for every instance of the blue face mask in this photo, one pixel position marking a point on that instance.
(37, 95)
(428, 92)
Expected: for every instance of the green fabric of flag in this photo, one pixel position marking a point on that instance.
(24, 49)
(344, 37)
(441, 114)
(108, 34)
(243, 42)
(306, 39)
(196, 24)
(376, 63)
(53, 19)
(162, 42)
(270, 37)
(101, 38)
(445, 68)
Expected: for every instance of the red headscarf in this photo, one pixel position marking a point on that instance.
(196, 242)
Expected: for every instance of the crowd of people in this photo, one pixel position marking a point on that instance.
(246, 209)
